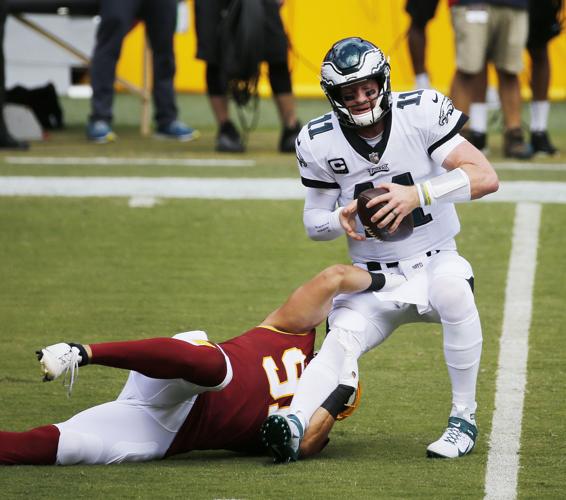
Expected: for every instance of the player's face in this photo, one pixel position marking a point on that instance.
(360, 97)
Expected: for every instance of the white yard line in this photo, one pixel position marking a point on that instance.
(159, 187)
(213, 162)
(227, 188)
(109, 161)
(505, 439)
(549, 167)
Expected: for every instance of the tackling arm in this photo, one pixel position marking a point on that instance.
(310, 304)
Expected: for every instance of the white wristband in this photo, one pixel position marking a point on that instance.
(335, 220)
(421, 195)
(451, 187)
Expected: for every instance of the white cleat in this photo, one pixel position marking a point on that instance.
(458, 439)
(60, 359)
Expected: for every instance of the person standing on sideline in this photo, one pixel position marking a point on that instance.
(545, 23)
(492, 31)
(208, 15)
(421, 12)
(116, 19)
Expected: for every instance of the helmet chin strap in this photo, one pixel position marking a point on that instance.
(369, 117)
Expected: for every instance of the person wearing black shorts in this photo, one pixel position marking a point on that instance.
(421, 12)
(208, 16)
(545, 23)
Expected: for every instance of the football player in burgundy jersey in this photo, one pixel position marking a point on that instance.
(407, 143)
(186, 392)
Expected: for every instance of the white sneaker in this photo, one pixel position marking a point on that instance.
(458, 439)
(60, 359)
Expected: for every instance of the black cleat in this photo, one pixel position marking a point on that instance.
(541, 145)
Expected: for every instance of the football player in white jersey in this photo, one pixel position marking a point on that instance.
(409, 144)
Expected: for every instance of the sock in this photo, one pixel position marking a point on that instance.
(466, 412)
(203, 364)
(462, 351)
(422, 81)
(539, 115)
(35, 447)
(296, 425)
(318, 380)
(478, 117)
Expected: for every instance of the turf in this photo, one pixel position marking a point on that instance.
(96, 269)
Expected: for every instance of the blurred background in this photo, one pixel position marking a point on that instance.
(312, 27)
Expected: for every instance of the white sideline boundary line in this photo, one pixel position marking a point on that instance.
(549, 167)
(504, 442)
(228, 188)
(214, 162)
(110, 161)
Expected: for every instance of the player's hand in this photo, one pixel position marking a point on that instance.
(399, 201)
(348, 220)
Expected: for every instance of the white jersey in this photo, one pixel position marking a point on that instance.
(420, 131)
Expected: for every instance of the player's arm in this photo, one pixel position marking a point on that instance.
(321, 218)
(469, 174)
(310, 304)
(323, 221)
(316, 435)
(340, 404)
(481, 175)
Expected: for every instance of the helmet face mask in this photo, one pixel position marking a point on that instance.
(350, 61)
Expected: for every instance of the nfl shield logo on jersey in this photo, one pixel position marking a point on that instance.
(374, 157)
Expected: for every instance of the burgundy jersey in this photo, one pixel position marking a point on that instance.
(267, 365)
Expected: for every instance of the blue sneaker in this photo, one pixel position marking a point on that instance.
(99, 131)
(177, 130)
(282, 435)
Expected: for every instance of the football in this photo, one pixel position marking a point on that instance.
(404, 230)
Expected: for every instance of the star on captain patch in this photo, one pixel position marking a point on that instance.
(374, 157)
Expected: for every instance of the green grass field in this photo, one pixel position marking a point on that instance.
(92, 270)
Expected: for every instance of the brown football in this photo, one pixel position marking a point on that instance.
(404, 230)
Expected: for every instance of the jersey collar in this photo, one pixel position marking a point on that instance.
(371, 154)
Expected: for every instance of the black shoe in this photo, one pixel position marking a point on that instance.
(540, 142)
(228, 139)
(514, 145)
(288, 138)
(8, 142)
(477, 139)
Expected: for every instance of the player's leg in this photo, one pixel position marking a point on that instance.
(189, 356)
(357, 323)
(34, 447)
(451, 295)
(123, 430)
(115, 432)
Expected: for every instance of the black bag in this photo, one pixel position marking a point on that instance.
(43, 101)
(241, 34)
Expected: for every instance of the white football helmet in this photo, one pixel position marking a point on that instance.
(353, 60)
